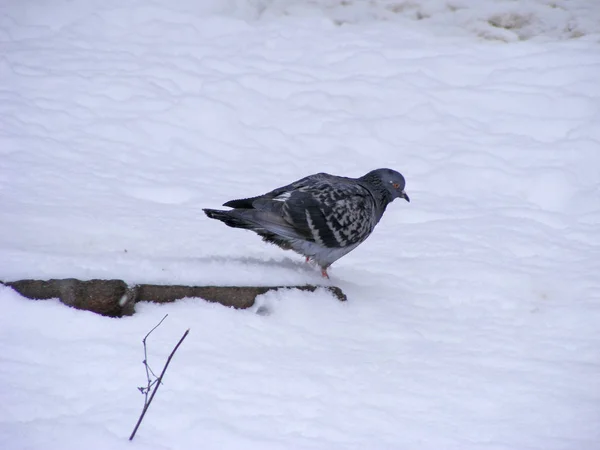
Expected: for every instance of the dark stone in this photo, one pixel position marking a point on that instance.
(37, 289)
(107, 297)
(240, 297)
(114, 298)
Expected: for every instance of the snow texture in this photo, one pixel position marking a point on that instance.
(474, 311)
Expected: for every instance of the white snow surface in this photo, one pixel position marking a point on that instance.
(473, 319)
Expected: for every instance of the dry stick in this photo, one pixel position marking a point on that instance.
(149, 371)
(158, 381)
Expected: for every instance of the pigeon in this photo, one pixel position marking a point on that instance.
(321, 216)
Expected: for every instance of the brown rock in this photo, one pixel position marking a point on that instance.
(114, 298)
(237, 296)
(107, 297)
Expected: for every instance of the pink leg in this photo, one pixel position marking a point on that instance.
(324, 273)
(308, 259)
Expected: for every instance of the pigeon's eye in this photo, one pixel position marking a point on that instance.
(395, 185)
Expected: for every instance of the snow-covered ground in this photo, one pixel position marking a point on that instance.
(473, 319)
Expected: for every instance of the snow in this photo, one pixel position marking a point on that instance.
(473, 312)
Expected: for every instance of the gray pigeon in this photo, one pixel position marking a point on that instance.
(321, 216)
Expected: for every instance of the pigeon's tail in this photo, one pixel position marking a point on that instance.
(241, 203)
(229, 219)
(268, 225)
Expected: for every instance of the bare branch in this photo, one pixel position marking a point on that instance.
(146, 390)
(157, 381)
(155, 327)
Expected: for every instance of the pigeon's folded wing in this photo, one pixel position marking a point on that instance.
(330, 214)
(280, 193)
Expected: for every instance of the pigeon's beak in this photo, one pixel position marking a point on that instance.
(404, 196)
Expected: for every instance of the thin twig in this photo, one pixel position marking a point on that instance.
(156, 382)
(149, 371)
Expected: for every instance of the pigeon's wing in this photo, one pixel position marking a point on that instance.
(331, 211)
(331, 214)
(280, 193)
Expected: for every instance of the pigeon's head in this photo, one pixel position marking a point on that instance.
(390, 181)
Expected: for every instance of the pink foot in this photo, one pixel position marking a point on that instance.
(308, 259)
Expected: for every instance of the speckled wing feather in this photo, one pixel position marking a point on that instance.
(303, 182)
(332, 213)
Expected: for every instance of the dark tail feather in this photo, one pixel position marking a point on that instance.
(242, 203)
(228, 218)
(234, 219)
